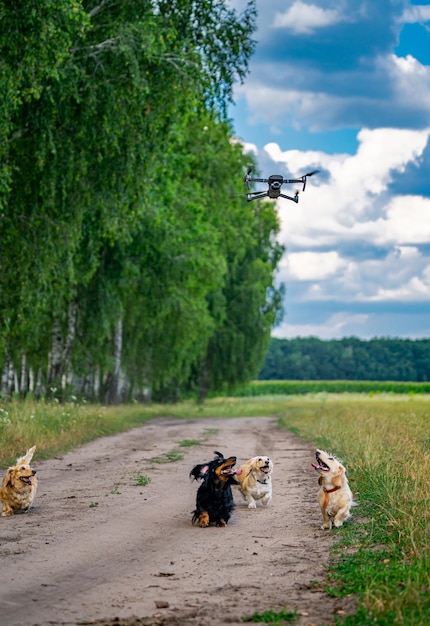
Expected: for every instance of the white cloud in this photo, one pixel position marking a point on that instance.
(312, 265)
(305, 18)
(387, 89)
(352, 203)
(351, 209)
(336, 326)
(407, 221)
(416, 14)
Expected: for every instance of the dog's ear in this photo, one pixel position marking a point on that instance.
(199, 471)
(26, 459)
(338, 479)
(8, 477)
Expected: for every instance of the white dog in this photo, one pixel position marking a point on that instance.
(255, 478)
(334, 496)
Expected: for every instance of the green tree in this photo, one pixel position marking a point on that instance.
(94, 119)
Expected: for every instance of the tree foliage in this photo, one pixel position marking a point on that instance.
(127, 262)
(347, 359)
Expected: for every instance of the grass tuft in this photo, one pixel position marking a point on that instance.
(272, 617)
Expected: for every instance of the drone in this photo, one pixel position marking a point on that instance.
(275, 183)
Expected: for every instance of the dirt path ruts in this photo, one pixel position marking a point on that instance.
(96, 546)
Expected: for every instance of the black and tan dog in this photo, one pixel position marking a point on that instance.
(214, 502)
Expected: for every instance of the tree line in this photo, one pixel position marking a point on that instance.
(350, 358)
(128, 265)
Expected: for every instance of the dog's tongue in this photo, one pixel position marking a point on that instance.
(238, 472)
(315, 466)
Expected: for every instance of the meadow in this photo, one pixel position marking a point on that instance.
(380, 558)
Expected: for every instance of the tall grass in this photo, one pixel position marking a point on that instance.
(382, 556)
(386, 447)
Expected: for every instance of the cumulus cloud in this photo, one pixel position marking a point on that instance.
(418, 14)
(385, 91)
(312, 265)
(348, 207)
(306, 18)
(360, 235)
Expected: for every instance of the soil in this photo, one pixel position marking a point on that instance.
(98, 547)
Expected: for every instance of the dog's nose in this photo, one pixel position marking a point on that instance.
(34, 471)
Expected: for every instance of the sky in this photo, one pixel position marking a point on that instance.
(343, 86)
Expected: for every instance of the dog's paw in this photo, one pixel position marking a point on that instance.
(252, 505)
(221, 523)
(326, 526)
(203, 520)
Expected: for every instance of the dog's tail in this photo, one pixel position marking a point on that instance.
(26, 459)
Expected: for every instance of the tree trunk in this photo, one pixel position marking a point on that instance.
(114, 377)
(72, 314)
(55, 355)
(203, 382)
(23, 384)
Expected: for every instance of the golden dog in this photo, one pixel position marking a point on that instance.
(255, 478)
(19, 485)
(334, 496)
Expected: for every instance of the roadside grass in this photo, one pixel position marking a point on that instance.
(381, 557)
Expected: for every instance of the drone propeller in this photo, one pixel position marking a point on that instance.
(311, 173)
(246, 179)
(304, 177)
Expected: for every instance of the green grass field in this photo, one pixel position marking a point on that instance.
(382, 556)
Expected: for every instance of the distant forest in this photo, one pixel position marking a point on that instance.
(347, 359)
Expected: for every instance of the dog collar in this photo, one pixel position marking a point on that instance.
(327, 491)
(330, 490)
(262, 482)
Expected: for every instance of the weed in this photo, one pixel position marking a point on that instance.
(141, 480)
(272, 617)
(188, 443)
(168, 457)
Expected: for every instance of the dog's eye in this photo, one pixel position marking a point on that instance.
(23, 468)
(330, 458)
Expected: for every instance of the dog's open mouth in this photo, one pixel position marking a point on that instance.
(320, 466)
(265, 469)
(26, 479)
(228, 470)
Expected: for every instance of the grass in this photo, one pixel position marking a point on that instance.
(141, 480)
(385, 559)
(168, 457)
(272, 617)
(382, 557)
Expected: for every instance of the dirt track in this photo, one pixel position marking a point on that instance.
(98, 549)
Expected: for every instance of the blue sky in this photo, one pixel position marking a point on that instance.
(344, 86)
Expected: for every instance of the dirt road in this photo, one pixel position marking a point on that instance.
(97, 548)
